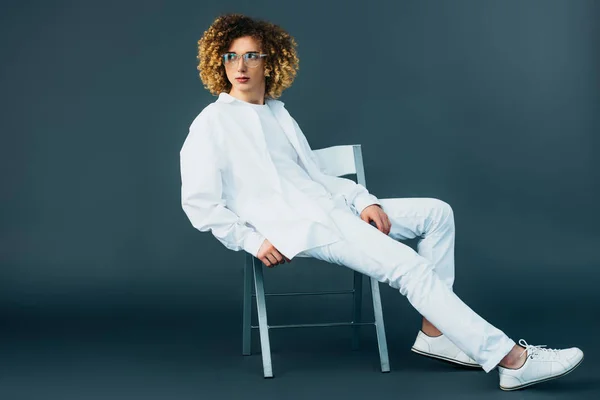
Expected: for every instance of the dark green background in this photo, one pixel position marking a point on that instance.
(107, 291)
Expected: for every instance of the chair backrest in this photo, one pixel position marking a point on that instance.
(342, 160)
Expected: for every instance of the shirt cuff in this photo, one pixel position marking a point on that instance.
(362, 202)
(252, 243)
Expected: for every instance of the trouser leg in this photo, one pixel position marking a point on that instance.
(432, 221)
(375, 254)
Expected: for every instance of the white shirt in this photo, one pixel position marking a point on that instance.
(298, 187)
(286, 158)
(236, 186)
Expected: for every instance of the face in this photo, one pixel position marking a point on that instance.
(246, 81)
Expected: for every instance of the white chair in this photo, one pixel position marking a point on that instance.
(337, 161)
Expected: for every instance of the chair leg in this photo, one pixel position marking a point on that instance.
(261, 308)
(379, 327)
(247, 310)
(356, 308)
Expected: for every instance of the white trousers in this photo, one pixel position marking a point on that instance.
(425, 277)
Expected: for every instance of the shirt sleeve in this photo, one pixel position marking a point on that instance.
(356, 194)
(201, 191)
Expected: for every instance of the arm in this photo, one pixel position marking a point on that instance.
(201, 192)
(357, 195)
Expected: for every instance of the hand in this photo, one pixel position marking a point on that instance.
(270, 256)
(376, 214)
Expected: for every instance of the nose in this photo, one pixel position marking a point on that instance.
(241, 65)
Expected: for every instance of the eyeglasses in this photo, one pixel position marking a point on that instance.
(251, 59)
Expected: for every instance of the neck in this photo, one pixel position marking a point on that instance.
(249, 97)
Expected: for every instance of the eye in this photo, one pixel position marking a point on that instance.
(227, 57)
(252, 56)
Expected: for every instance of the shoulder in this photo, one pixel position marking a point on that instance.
(279, 105)
(218, 113)
(202, 130)
(205, 117)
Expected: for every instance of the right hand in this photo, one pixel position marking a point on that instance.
(270, 256)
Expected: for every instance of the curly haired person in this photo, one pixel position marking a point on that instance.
(250, 177)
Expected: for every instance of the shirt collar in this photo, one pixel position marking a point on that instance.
(227, 98)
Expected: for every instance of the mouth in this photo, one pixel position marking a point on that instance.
(242, 79)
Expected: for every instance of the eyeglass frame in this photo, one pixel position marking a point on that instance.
(244, 57)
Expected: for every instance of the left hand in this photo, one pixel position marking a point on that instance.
(376, 214)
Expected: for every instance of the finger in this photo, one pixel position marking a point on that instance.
(287, 259)
(266, 262)
(278, 257)
(274, 259)
(388, 225)
(271, 259)
(383, 219)
(383, 226)
(378, 222)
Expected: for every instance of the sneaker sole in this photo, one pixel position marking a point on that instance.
(446, 359)
(543, 380)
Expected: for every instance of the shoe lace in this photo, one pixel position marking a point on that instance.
(535, 350)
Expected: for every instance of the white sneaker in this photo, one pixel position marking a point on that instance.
(442, 348)
(540, 365)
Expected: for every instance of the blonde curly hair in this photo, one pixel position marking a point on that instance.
(281, 64)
